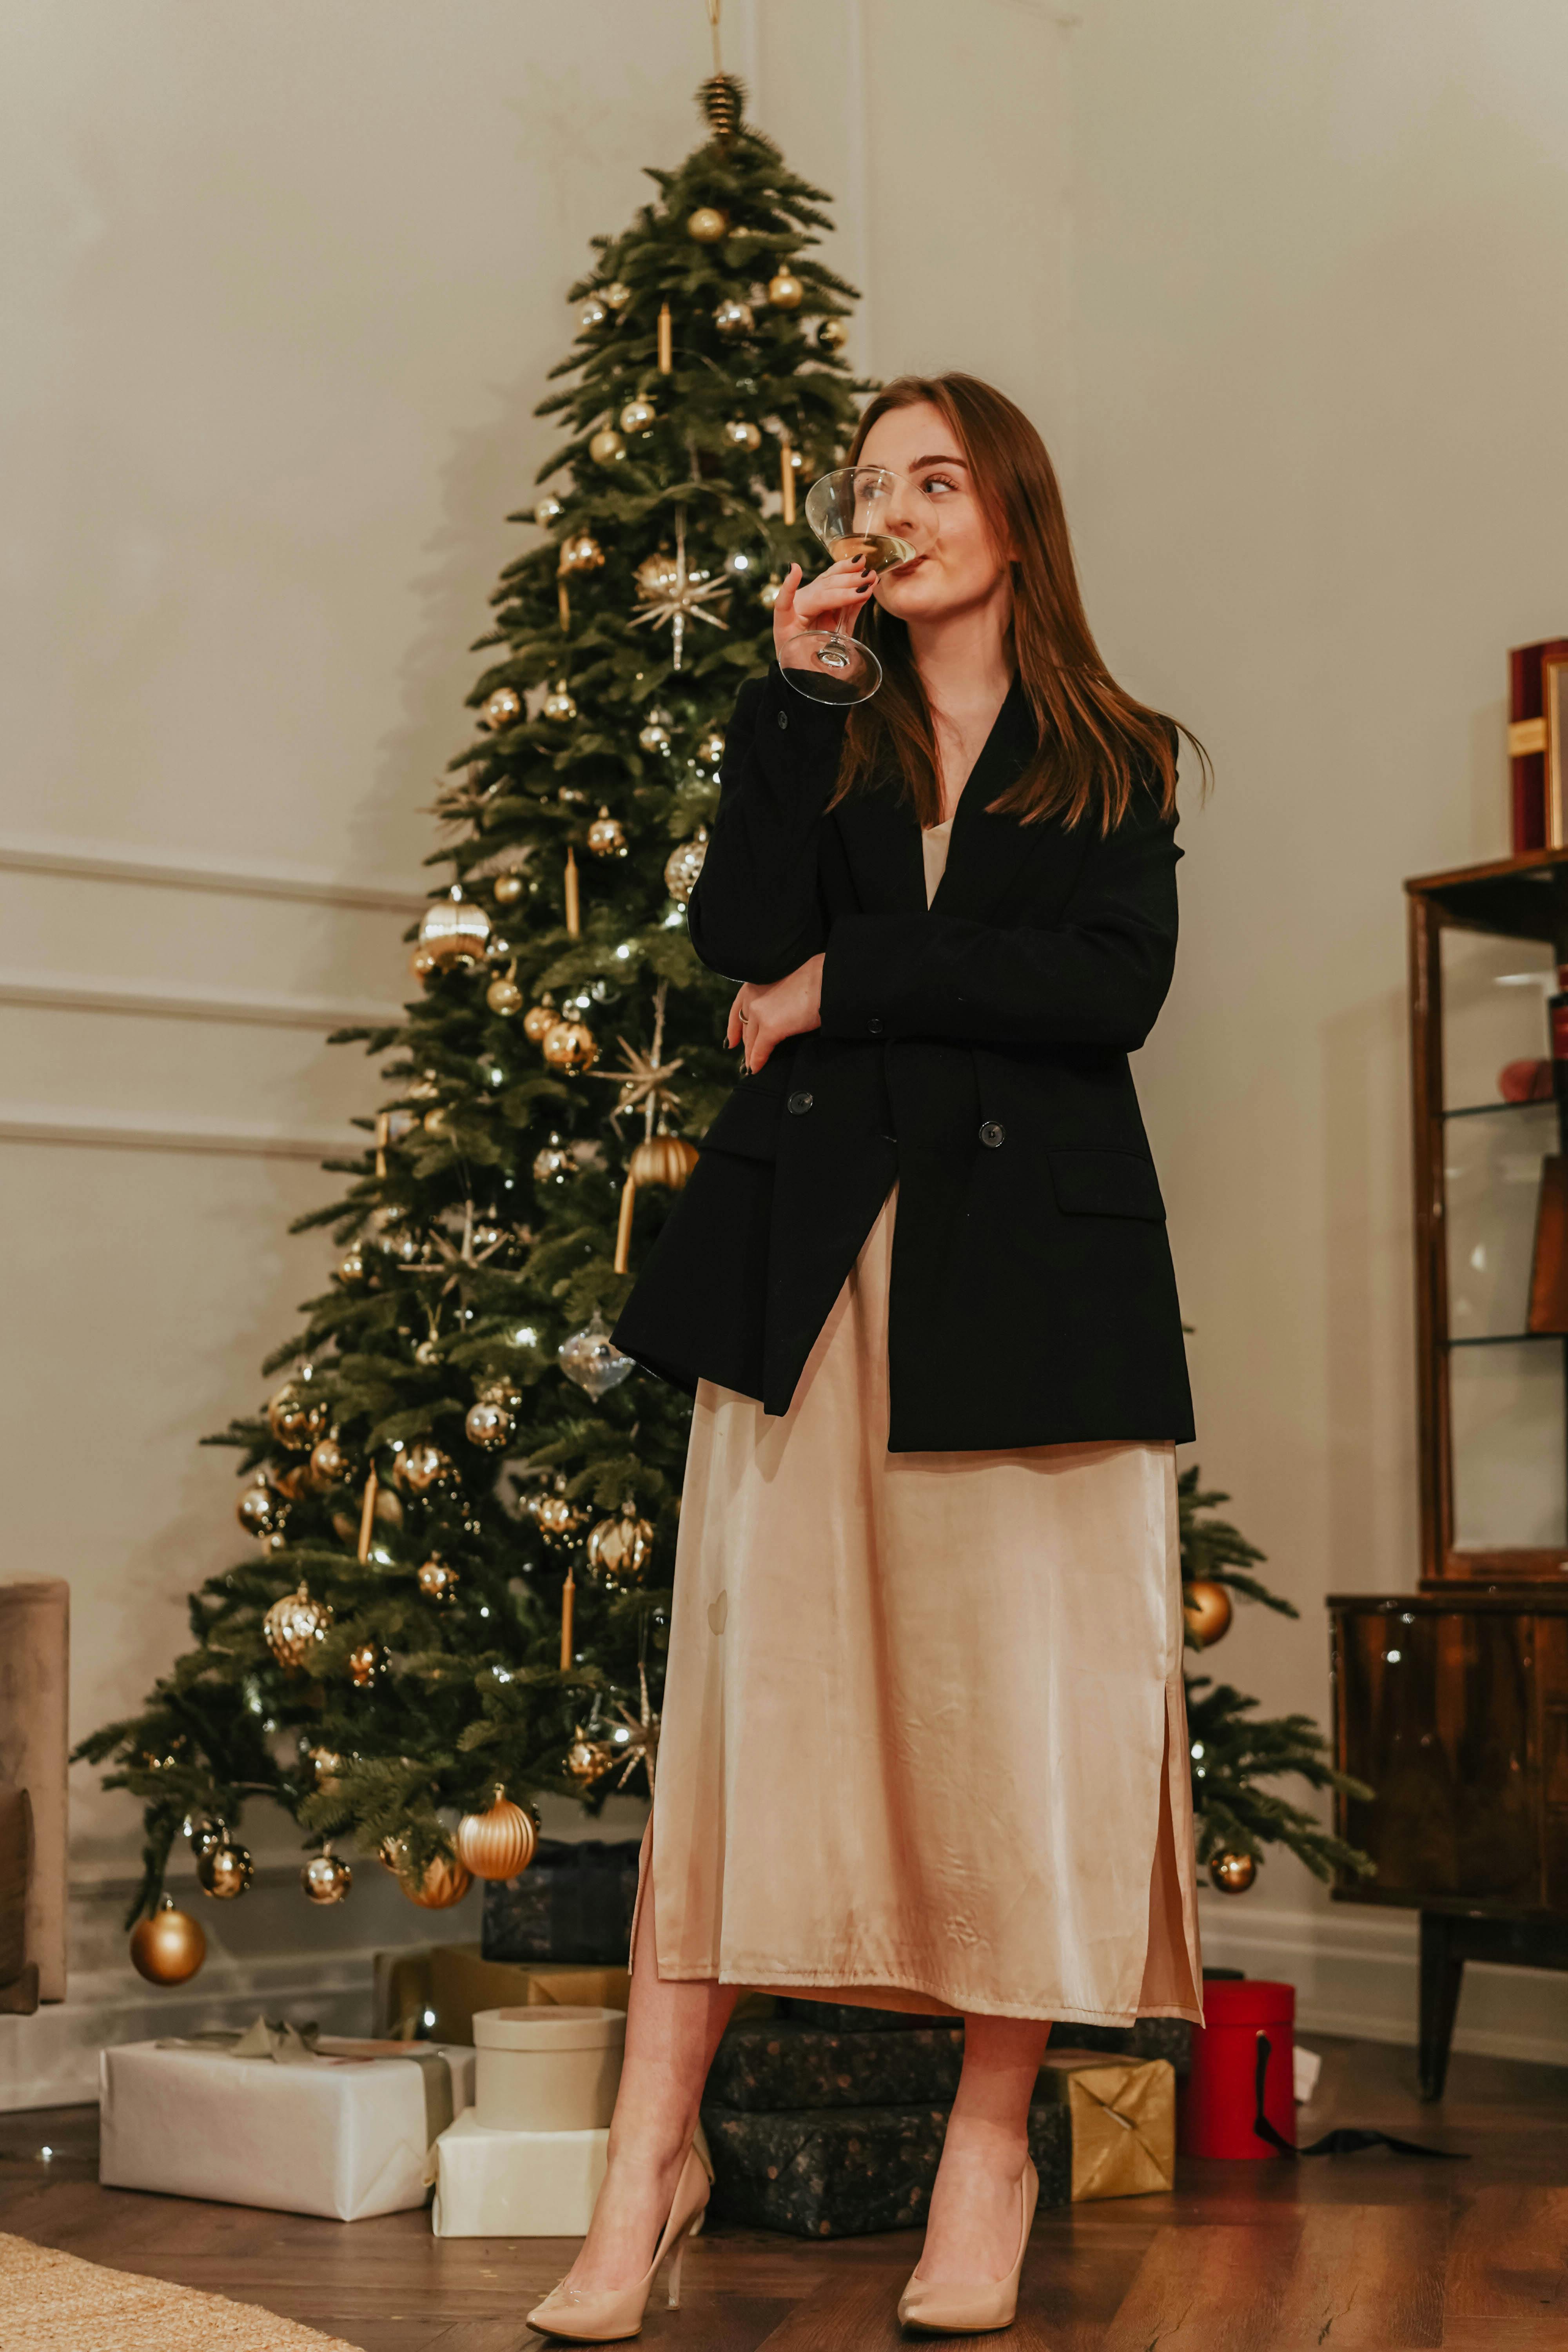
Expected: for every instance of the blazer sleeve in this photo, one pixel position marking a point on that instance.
(756, 912)
(1097, 979)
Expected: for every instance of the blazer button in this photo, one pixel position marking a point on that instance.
(802, 1102)
(993, 1134)
(874, 1024)
(783, 718)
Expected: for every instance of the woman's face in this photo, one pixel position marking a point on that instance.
(957, 565)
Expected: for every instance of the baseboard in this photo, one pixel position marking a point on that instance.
(1356, 1972)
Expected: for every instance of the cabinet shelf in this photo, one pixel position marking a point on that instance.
(1493, 1109)
(1504, 1339)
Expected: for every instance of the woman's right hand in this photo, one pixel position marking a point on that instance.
(829, 602)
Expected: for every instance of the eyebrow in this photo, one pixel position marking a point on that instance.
(936, 461)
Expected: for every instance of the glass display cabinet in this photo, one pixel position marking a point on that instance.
(1452, 1702)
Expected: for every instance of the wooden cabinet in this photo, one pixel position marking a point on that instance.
(1452, 1702)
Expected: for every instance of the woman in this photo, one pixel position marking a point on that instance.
(924, 1742)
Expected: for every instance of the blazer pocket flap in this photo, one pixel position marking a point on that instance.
(748, 1124)
(1105, 1184)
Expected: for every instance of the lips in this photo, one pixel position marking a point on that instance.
(902, 571)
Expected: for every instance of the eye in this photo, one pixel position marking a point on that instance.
(939, 482)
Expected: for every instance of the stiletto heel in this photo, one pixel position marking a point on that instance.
(606, 2318)
(972, 2310)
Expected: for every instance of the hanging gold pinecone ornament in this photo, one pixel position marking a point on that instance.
(293, 1626)
(620, 1550)
(606, 836)
(1207, 1609)
(1233, 1873)
(498, 1843)
(683, 865)
(169, 1947)
(722, 97)
(326, 1878)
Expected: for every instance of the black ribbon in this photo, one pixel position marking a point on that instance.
(1347, 2141)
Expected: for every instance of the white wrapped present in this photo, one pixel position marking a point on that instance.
(341, 2128)
(516, 2184)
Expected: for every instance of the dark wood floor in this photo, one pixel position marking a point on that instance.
(1357, 2254)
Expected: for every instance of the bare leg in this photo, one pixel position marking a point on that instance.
(972, 2234)
(672, 2031)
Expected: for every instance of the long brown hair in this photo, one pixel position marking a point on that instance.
(1093, 740)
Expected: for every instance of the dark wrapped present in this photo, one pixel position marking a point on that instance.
(847, 2017)
(787, 2063)
(573, 1902)
(1170, 2038)
(844, 2172)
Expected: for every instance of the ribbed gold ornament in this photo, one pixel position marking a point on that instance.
(498, 1843)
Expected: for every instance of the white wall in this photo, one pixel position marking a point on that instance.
(1277, 284)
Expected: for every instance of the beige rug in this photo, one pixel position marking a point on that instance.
(55, 2303)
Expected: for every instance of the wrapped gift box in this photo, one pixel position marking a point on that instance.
(547, 2070)
(844, 2172)
(439, 1989)
(783, 2063)
(573, 1902)
(337, 2133)
(1122, 2114)
(516, 2184)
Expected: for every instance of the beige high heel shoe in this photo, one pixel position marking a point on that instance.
(971, 2310)
(607, 2317)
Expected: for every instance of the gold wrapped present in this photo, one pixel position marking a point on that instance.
(1123, 2117)
(432, 1991)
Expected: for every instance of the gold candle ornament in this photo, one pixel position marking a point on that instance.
(573, 909)
(786, 478)
(666, 341)
(568, 1594)
(623, 1230)
(367, 1515)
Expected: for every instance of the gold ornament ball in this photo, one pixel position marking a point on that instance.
(585, 1761)
(509, 888)
(1207, 1609)
(326, 1764)
(683, 865)
(710, 750)
(832, 335)
(169, 1947)
(445, 1881)
(581, 553)
(437, 1581)
(421, 1467)
(663, 1159)
(296, 1419)
(329, 1463)
(505, 997)
(637, 415)
(326, 1878)
(606, 447)
(293, 1625)
(350, 1269)
(487, 1425)
(498, 1843)
(707, 224)
(1233, 1873)
(617, 294)
(226, 1872)
(547, 510)
(571, 1045)
(555, 1516)
(454, 931)
(768, 593)
(364, 1663)
(258, 1509)
(620, 1550)
(653, 732)
(591, 314)
(741, 433)
(437, 1122)
(502, 708)
(786, 291)
(657, 574)
(559, 705)
(422, 964)
(733, 317)
(539, 1021)
(606, 838)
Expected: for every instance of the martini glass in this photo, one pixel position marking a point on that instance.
(849, 512)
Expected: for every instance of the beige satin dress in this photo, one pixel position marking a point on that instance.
(924, 1736)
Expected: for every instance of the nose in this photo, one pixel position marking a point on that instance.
(899, 515)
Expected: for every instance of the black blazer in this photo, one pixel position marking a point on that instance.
(976, 1051)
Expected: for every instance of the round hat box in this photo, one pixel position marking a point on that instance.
(547, 2069)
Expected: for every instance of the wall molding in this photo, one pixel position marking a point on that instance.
(107, 861)
(252, 1008)
(114, 1130)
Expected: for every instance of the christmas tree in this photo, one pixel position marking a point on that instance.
(464, 1499)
